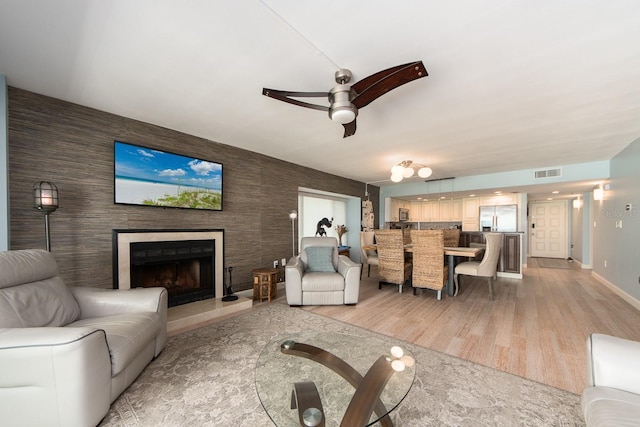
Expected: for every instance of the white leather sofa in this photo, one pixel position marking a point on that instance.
(67, 353)
(612, 397)
(320, 276)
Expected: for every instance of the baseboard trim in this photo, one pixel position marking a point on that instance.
(622, 294)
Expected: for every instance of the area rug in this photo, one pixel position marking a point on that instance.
(205, 377)
(553, 263)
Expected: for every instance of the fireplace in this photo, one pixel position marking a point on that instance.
(188, 263)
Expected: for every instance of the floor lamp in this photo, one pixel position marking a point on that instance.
(45, 199)
(293, 215)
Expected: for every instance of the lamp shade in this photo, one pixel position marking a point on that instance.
(424, 172)
(396, 177)
(45, 196)
(598, 194)
(408, 172)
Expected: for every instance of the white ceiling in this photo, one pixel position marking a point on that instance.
(512, 84)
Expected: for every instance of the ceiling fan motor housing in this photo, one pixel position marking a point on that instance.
(342, 110)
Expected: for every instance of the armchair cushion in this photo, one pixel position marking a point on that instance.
(320, 258)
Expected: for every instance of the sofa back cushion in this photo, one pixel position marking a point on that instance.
(32, 293)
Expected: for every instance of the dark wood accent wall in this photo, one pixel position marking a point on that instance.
(72, 146)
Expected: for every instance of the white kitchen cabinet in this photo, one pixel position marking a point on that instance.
(456, 210)
(415, 211)
(499, 199)
(470, 214)
(431, 211)
(445, 210)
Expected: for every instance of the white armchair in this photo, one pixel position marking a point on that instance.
(612, 396)
(67, 353)
(320, 276)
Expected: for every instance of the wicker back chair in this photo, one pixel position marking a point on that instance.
(392, 267)
(452, 237)
(429, 270)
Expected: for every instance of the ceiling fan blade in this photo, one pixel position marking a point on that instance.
(349, 128)
(372, 87)
(285, 96)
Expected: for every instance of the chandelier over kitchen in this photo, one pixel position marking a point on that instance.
(406, 169)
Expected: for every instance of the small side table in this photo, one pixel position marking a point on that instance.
(344, 250)
(265, 283)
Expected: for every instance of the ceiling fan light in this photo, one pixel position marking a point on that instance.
(396, 177)
(408, 172)
(424, 172)
(342, 115)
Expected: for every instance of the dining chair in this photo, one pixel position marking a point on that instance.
(485, 268)
(429, 269)
(369, 257)
(392, 267)
(452, 237)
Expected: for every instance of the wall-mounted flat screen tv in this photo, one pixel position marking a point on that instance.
(150, 177)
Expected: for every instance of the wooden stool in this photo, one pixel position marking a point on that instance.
(265, 283)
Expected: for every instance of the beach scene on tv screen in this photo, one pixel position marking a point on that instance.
(144, 176)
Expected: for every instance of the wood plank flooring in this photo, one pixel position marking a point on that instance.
(535, 328)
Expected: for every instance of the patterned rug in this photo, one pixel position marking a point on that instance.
(205, 377)
(553, 263)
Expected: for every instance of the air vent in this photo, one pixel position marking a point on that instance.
(547, 173)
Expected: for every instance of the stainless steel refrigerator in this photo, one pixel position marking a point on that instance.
(499, 218)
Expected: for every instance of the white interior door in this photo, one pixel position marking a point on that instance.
(548, 229)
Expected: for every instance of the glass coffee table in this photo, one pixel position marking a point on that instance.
(330, 379)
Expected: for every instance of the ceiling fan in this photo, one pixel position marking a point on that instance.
(346, 100)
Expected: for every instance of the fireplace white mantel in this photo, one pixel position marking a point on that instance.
(124, 238)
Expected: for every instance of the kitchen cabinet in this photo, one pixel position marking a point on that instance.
(499, 199)
(415, 211)
(456, 210)
(470, 214)
(511, 253)
(431, 211)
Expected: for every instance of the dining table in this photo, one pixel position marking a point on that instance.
(452, 252)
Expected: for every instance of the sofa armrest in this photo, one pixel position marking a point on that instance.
(612, 362)
(54, 376)
(293, 281)
(96, 302)
(351, 272)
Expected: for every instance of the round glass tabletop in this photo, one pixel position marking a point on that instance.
(318, 379)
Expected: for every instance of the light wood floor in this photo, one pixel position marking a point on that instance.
(535, 328)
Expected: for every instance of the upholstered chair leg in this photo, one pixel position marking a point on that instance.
(456, 285)
(491, 286)
(415, 291)
(439, 294)
(369, 270)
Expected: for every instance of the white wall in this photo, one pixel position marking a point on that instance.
(619, 247)
(4, 165)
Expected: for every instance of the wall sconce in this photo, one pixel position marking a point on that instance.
(577, 203)
(293, 215)
(598, 194)
(45, 199)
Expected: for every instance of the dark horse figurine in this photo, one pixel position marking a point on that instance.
(324, 222)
